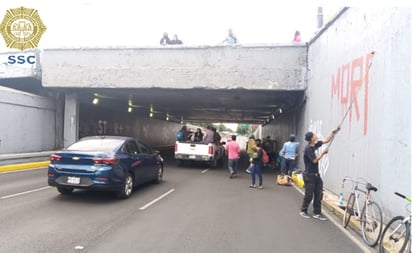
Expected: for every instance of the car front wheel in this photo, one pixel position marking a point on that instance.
(127, 187)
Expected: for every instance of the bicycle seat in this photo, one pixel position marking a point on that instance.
(370, 187)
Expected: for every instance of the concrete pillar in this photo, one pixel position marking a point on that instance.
(60, 101)
(71, 119)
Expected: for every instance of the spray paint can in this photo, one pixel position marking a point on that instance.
(340, 199)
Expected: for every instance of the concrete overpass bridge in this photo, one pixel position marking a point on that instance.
(243, 84)
(235, 84)
(246, 84)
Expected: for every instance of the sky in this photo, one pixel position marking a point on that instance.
(104, 23)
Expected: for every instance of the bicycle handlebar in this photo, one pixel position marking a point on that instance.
(404, 197)
(354, 181)
(355, 184)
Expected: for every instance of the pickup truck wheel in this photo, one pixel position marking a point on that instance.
(213, 164)
(179, 162)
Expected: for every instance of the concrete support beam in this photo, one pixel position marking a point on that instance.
(269, 67)
(71, 120)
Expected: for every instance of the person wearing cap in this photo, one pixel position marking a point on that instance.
(311, 176)
(289, 152)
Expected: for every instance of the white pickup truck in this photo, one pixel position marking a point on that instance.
(201, 152)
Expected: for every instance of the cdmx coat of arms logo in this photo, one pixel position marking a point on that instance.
(22, 28)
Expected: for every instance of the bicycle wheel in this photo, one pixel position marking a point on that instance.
(349, 210)
(395, 236)
(371, 223)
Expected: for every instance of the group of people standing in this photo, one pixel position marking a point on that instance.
(166, 41)
(210, 136)
(230, 39)
(289, 152)
(255, 152)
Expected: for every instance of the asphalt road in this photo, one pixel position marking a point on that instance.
(194, 210)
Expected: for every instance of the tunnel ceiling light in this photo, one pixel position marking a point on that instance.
(95, 101)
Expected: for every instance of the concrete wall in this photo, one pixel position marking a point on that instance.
(374, 142)
(280, 129)
(156, 133)
(28, 122)
(254, 67)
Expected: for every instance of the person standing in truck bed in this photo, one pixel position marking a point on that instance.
(209, 135)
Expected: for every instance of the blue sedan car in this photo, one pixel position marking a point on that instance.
(112, 163)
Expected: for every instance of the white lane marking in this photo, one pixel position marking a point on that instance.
(156, 200)
(204, 171)
(26, 192)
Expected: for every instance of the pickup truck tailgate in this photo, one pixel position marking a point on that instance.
(193, 151)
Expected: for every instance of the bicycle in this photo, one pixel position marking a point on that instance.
(396, 235)
(370, 216)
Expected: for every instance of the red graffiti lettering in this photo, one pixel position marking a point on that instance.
(349, 80)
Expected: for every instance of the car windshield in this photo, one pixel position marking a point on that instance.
(99, 145)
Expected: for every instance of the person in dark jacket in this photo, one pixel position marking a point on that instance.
(198, 137)
(165, 39)
(175, 41)
(311, 176)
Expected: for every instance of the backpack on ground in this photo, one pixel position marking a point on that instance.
(179, 136)
(283, 180)
(265, 157)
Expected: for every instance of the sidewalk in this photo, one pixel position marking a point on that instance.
(335, 213)
(21, 161)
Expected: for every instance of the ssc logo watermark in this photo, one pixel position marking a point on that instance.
(22, 28)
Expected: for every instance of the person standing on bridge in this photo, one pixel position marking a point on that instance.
(233, 149)
(297, 38)
(176, 41)
(311, 176)
(231, 38)
(165, 39)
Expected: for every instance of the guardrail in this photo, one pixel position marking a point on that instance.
(21, 161)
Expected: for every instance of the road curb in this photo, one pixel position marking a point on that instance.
(330, 207)
(23, 166)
